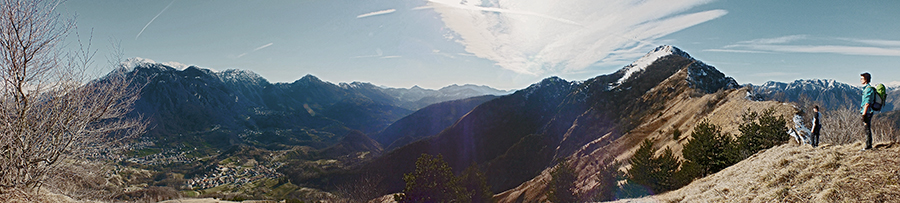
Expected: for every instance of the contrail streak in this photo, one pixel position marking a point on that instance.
(154, 18)
(382, 12)
(254, 50)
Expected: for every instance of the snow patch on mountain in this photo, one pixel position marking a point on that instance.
(131, 63)
(800, 131)
(892, 84)
(646, 61)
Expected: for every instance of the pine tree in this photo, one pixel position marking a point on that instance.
(642, 165)
(709, 150)
(761, 131)
(475, 184)
(656, 173)
(432, 181)
(562, 184)
(607, 181)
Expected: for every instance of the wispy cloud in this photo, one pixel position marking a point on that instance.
(381, 12)
(737, 51)
(533, 38)
(254, 50)
(806, 44)
(154, 18)
(773, 74)
(875, 42)
(776, 40)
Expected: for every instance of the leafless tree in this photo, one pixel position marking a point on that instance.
(49, 109)
(884, 129)
(841, 126)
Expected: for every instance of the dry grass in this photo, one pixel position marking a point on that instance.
(791, 173)
(41, 195)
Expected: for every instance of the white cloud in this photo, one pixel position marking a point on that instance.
(846, 50)
(876, 42)
(773, 74)
(805, 44)
(548, 36)
(777, 40)
(381, 12)
(736, 51)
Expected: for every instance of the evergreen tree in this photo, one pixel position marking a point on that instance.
(607, 181)
(432, 181)
(562, 184)
(475, 184)
(709, 151)
(655, 173)
(642, 165)
(668, 166)
(761, 131)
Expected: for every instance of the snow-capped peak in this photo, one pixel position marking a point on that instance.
(648, 59)
(130, 63)
(893, 84)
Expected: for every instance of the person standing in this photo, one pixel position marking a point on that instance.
(816, 128)
(868, 97)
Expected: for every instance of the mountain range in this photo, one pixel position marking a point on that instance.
(515, 138)
(225, 108)
(323, 135)
(829, 94)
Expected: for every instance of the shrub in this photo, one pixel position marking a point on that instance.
(433, 181)
(676, 134)
(607, 182)
(709, 151)
(562, 184)
(655, 173)
(475, 184)
(761, 130)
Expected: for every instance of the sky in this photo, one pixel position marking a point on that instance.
(505, 44)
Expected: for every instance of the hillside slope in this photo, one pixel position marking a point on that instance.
(723, 108)
(515, 137)
(791, 173)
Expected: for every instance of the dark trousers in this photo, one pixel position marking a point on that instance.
(867, 120)
(814, 138)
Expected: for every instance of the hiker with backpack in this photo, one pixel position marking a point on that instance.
(872, 100)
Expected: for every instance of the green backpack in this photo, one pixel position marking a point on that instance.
(880, 96)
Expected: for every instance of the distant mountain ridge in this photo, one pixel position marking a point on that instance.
(239, 106)
(832, 95)
(515, 137)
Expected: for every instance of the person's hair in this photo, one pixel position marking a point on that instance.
(867, 76)
(816, 107)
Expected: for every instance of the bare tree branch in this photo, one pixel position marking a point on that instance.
(49, 110)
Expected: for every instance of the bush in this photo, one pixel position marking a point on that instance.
(607, 181)
(709, 151)
(433, 181)
(562, 184)
(761, 130)
(475, 184)
(676, 134)
(654, 173)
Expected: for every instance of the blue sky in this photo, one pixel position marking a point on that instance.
(506, 44)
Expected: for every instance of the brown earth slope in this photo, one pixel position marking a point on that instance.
(791, 173)
(683, 111)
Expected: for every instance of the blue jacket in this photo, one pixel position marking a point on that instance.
(868, 97)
